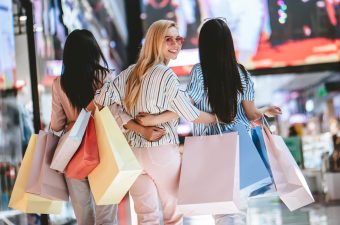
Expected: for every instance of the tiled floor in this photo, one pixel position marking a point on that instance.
(270, 211)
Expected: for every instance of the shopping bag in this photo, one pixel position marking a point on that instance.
(43, 180)
(118, 168)
(26, 202)
(290, 183)
(258, 140)
(69, 142)
(209, 178)
(269, 190)
(253, 173)
(87, 156)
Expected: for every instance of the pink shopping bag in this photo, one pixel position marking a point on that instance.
(210, 175)
(290, 183)
(43, 180)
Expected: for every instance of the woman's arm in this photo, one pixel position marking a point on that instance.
(254, 113)
(248, 99)
(149, 133)
(205, 118)
(147, 119)
(58, 115)
(126, 122)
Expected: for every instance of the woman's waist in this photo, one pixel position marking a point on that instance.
(137, 141)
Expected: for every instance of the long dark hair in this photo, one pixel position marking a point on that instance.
(220, 68)
(82, 72)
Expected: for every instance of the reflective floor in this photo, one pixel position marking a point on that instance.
(261, 211)
(270, 211)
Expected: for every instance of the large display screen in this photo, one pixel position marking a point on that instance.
(267, 33)
(7, 50)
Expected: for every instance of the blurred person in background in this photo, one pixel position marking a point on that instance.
(334, 158)
(154, 10)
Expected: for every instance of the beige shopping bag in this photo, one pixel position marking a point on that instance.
(290, 183)
(30, 203)
(43, 180)
(118, 168)
(210, 175)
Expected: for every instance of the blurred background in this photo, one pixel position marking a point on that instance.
(292, 48)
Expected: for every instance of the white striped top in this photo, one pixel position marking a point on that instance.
(196, 91)
(159, 92)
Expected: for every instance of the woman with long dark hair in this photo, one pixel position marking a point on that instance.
(219, 85)
(84, 71)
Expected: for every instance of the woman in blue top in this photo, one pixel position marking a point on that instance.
(222, 86)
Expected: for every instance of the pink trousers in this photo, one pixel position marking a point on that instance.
(158, 183)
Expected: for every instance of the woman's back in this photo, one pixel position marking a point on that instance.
(63, 111)
(82, 75)
(199, 95)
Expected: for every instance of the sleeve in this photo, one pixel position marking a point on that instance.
(58, 116)
(110, 92)
(121, 117)
(195, 88)
(248, 87)
(179, 101)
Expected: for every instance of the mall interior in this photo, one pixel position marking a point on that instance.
(290, 47)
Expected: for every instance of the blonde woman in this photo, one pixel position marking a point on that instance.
(151, 86)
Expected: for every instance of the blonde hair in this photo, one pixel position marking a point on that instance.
(150, 55)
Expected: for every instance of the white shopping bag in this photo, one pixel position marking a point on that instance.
(70, 142)
(290, 183)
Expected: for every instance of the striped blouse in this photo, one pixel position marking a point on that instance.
(159, 92)
(196, 91)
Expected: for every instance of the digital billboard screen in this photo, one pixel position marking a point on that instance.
(267, 33)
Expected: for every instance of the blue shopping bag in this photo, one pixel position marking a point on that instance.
(258, 140)
(253, 172)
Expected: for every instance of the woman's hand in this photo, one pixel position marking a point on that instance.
(273, 111)
(146, 119)
(152, 133)
(69, 126)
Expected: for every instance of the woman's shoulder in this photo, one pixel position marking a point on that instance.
(162, 71)
(123, 75)
(246, 78)
(161, 68)
(197, 69)
(244, 74)
(197, 66)
(127, 70)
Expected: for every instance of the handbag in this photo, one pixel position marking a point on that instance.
(26, 202)
(43, 180)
